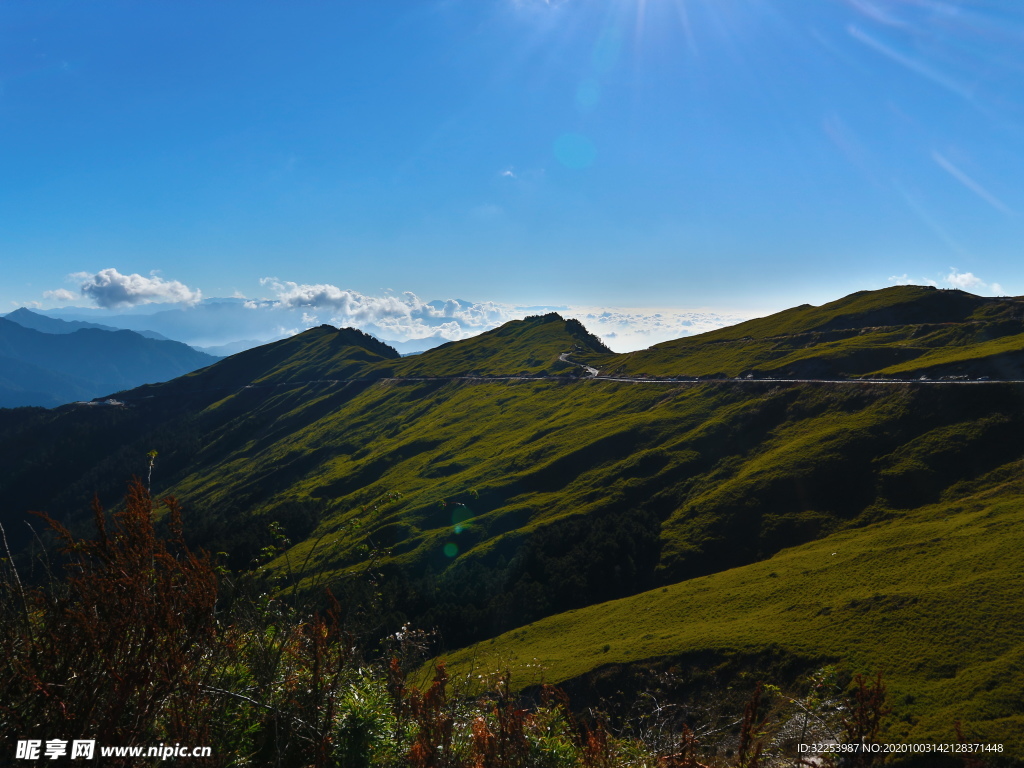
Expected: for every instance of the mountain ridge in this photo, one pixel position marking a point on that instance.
(88, 362)
(898, 332)
(29, 319)
(494, 485)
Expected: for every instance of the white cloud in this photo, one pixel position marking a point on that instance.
(351, 305)
(399, 318)
(964, 281)
(292, 307)
(968, 281)
(110, 289)
(625, 330)
(406, 317)
(61, 294)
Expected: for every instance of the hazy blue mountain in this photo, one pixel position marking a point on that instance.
(232, 348)
(38, 322)
(47, 369)
(23, 384)
(228, 325)
(212, 322)
(415, 346)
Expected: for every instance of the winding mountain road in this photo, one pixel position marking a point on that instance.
(592, 374)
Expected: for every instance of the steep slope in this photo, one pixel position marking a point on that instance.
(318, 355)
(527, 347)
(94, 448)
(522, 499)
(87, 362)
(931, 599)
(903, 331)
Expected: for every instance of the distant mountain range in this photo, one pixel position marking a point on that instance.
(29, 319)
(47, 362)
(223, 326)
(827, 485)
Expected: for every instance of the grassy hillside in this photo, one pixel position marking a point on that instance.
(520, 347)
(932, 599)
(526, 499)
(322, 353)
(487, 499)
(903, 331)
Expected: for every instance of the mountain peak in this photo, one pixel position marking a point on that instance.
(357, 338)
(903, 331)
(21, 312)
(321, 353)
(530, 346)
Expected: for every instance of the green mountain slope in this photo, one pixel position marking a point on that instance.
(492, 485)
(932, 599)
(904, 331)
(320, 354)
(520, 347)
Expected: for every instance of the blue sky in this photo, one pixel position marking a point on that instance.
(735, 155)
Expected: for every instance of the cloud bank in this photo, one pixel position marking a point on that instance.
(967, 281)
(406, 317)
(397, 317)
(964, 281)
(627, 330)
(60, 295)
(109, 289)
(403, 319)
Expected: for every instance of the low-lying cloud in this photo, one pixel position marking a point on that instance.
(964, 281)
(350, 304)
(110, 289)
(62, 295)
(968, 281)
(398, 317)
(626, 330)
(404, 319)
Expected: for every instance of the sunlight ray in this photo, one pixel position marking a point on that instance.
(914, 65)
(945, 164)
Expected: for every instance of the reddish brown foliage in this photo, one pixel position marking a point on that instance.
(866, 715)
(432, 745)
(127, 641)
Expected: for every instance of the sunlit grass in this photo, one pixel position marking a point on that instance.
(931, 599)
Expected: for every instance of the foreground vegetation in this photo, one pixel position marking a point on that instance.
(144, 642)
